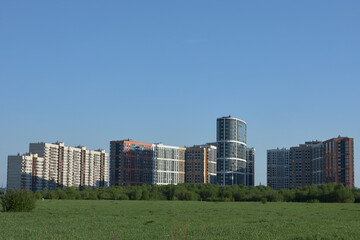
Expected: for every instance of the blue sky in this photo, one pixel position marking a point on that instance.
(87, 72)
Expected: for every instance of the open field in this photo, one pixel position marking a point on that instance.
(101, 219)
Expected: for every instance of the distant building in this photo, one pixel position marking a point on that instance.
(54, 165)
(231, 151)
(278, 168)
(316, 162)
(136, 163)
(131, 163)
(169, 164)
(200, 164)
(250, 167)
(339, 161)
(300, 165)
(25, 172)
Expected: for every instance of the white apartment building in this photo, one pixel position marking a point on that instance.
(53, 165)
(169, 164)
(278, 168)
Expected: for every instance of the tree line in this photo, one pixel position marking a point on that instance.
(209, 192)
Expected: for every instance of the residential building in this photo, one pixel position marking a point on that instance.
(250, 167)
(300, 165)
(169, 164)
(231, 151)
(25, 172)
(317, 163)
(131, 163)
(200, 164)
(136, 163)
(54, 165)
(278, 168)
(339, 161)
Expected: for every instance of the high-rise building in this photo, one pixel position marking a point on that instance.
(278, 168)
(315, 162)
(231, 151)
(131, 163)
(169, 164)
(25, 172)
(200, 164)
(339, 161)
(54, 165)
(301, 165)
(250, 167)
(136, 163)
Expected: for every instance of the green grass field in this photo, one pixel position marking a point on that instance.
(100, 219)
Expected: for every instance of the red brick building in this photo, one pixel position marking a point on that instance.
(131, 163)
(338, 161)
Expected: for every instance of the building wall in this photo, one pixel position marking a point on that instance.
(201, 164)
(301, 165)
(169, 164)
(231, 151)
(131, 163)
(317, 163)
(250, 167)
(339, 161)
(14, 171)
(278, 168)
(54, 165)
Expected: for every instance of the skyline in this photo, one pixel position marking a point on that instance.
(88, 73)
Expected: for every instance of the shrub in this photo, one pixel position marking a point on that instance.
(263, 200)
(18, 201)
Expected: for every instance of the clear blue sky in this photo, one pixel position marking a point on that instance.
(87, 72)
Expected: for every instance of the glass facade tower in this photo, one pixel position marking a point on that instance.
(231, 151)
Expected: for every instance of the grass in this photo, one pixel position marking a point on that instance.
(100, 219)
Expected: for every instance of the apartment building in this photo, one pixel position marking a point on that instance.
(25, 172)
(278, 168)
(54, 165)
(250, 167)
(200, 164)
(231, 151)
(300, 165)
(137, 163)
(338, 161)
(169, 164)
(315, 162)
(131, 163)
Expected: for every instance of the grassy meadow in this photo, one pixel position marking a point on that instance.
(107, 219)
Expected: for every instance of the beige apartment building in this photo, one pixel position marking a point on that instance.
(200, 163)
(53, 165)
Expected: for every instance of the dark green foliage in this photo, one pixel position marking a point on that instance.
(18, 201)
(264, 200)
(209, 192)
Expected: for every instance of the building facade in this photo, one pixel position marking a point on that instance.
(338, 158)
(200, 164)
(315, 162)
(54, 165)
(131, 163)
(250, 167)
(278, 168)
(231, 151)
(301, 165)
(25, 172)
(136, 163)
(169, 164)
